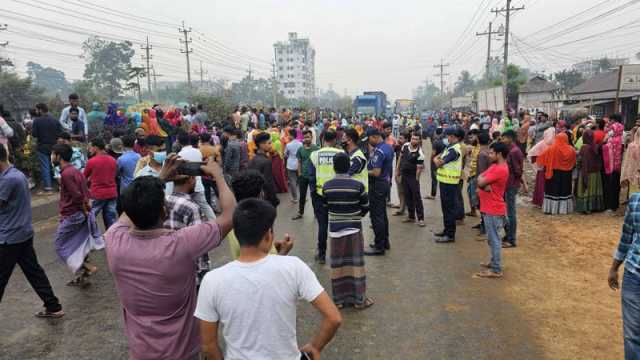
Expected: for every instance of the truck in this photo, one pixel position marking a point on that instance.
(371, 103)
(405, 106)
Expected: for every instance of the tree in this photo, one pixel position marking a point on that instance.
(135, 73)
(464, 84)
(568, 79)
(5, 63)
(18, 94)
(108, 64)
(53, 81)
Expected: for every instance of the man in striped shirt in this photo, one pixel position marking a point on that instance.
(347, 202)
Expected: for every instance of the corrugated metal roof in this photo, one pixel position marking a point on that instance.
(603, 82)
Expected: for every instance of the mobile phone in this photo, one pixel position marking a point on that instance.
(305, 356)
(190, 169)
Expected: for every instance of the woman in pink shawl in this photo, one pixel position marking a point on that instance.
(612, 156)
(630, 175)
(534, 152)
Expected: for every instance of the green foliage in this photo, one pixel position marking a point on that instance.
(217, 108)
(53, 81)
(108, 64)
(87, 93)
(568, 79)
(18, 94)
(464, 85)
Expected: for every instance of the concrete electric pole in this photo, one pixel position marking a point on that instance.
(274, 85)
(441, 75)
(488, 34)
(186, 50)
(155, 78)
(202, 73)
(507, 10)
(147, 48)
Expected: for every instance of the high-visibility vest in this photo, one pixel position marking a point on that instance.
(362, 176)
(322, 160)
(451, 172)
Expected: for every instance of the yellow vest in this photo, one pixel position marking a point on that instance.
(322, 160)
(362, 176)
(450, 173)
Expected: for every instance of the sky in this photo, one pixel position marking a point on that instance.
(389, 46)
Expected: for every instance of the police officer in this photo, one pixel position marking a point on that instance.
(449, 164)
(358, 169)
(380, 174)
(321, 171)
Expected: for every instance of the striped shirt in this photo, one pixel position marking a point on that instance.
(347, 202)
(629, 246)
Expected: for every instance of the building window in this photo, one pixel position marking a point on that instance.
(280, 68)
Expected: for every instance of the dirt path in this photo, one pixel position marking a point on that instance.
(558, 276)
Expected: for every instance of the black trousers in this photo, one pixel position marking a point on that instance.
(24, 255)
(449, 205)
(611, 190)
(434, 180)
(378, 192)
(412, 196)
(303, 182)
(322, 215)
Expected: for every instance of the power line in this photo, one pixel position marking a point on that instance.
(507, 10)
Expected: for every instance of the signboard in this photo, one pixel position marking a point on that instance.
(490, 99)
(630, 78)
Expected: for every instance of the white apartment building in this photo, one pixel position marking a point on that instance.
(295, 67)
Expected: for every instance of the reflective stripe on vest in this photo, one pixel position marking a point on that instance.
(322, 160)
(450, 173)
(362, 176)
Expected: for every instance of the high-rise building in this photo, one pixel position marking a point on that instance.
(295, 67)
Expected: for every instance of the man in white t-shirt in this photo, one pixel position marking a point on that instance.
(291, 159)
(255, 297)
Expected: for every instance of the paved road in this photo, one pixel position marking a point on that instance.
(428, 306)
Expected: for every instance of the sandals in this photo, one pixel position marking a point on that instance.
(488, 274)
(80, 281)
(398, 213)
(368, 302)
(421, 223)
(408, 220)
(89, 269)
(297, 217)
(49, 314)
(507, 245)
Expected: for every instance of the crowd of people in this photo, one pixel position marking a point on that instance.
(172, 184)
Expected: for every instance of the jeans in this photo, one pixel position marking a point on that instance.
(512, 224)
(45, 170)
(304, 187)
(292, 179)
(24, 255)
(449, 204)
(200, 199)
(460, 202)
(378, 191)
(493, 224)
(472, 186)
(412, 196)
(322, 215)
(631, 315)
(108, 209)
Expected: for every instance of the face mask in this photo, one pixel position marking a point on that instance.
(160, 156)
(445, 141)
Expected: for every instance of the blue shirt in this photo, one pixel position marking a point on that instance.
(15, 207)
(126, 166)
(629, 246)
(382, 159)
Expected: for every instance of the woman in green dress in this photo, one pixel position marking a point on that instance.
(589, 196)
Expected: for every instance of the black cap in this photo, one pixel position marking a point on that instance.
(372, 131)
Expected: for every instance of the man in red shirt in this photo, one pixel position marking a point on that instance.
(77, 232)
(491, 188)
(101, 173)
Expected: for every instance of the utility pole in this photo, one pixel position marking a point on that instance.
(186, 50)
(441, 75)
(202, 73)
(488, 34)
(250, 84)
(147, 48)
(3, 28)
(155, 78)
(507, 10)
(275, 85)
